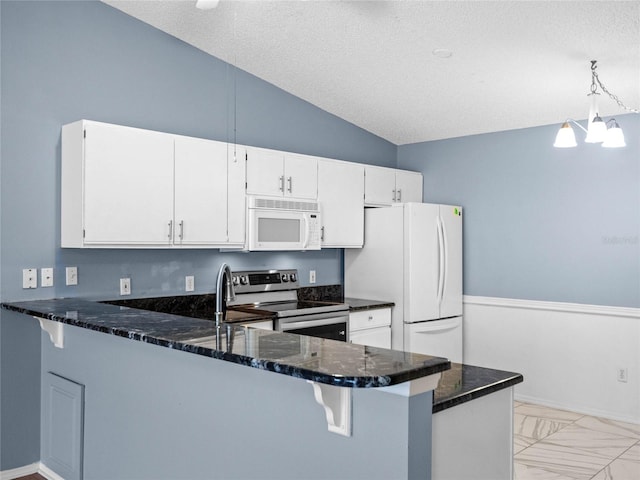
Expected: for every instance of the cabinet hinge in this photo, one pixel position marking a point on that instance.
(83, 233)
(84, 133)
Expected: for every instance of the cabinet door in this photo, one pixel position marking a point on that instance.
(374, 337)
(200, 192)
(379, 186)
(341, 198)
(128, 185)
(408, 187)
(301, 176)
(265, 172)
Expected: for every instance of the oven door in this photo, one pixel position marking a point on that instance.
(333, 326)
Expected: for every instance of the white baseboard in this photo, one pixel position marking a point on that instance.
(20, 471)
(37, 467)
(592, 412)
(48, 473)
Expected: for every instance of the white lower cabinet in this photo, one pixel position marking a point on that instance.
(371, 327)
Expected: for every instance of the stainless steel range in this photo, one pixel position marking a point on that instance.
(276, 291)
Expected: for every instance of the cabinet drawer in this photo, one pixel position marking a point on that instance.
(369, 319)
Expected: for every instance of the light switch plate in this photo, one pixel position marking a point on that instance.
(125, 286)
(30, 278)
(46, 277)
(71, 274)
(189, 283)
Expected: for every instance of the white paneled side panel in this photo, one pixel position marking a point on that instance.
(451, 217)
(236, 208)
(71, 225)
(200, 192)
(62, 426)
(421, 262)
(377, 270)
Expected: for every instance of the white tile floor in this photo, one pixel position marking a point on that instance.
(552, 444)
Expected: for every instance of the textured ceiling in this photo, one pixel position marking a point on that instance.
(514, 64)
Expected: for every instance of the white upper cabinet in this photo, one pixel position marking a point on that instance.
(341, 199)
(200, 192)
(279, 174)
(117, 185)
(128, 187)
(385, 186)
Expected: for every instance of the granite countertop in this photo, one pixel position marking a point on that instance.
(463, 383)
(320, 360)
(359, 304)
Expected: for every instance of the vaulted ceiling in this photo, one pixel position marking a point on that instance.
(413, 71)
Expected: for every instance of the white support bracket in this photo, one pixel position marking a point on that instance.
(54, 329)
(336, 402)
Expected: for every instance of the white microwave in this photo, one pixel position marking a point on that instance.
(282, 224)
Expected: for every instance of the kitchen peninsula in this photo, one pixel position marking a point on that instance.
(164, 408)
(156, 399)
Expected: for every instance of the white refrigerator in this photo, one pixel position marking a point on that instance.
(412, 256)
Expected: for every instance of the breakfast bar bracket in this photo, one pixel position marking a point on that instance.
(336, 402)
(54, 329)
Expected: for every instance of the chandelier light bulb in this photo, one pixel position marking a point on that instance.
(614, 137)
(566, 138)
(596, 131)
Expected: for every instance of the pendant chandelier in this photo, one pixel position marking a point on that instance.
(608, 133)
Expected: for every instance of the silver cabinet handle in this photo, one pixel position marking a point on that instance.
(170, 230)
(399, 195)
(322, 233)
(282, 183)
(181, 234)
(290, 184)
(394, 195)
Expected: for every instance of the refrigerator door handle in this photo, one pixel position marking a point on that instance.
(441, 259)
(445, 256)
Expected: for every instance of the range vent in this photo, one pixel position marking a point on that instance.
(277, 204)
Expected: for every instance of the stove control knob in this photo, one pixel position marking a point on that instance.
(244, 280)
(236, 280)
(285, 277)
(292, 277)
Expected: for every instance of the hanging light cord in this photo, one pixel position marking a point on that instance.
(595, 78)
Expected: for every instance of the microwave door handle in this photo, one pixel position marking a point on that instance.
(306, 232)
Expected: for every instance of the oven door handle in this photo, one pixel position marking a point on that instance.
(312, 323)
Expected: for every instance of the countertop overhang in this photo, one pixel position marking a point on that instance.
(319, 360)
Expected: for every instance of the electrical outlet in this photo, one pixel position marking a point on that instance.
(46, 277)
(125, 286)
(30, 278)
(312, 276)
(71, 274)
(189, 283)
(622, 374)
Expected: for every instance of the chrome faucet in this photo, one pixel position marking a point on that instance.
(224, 292)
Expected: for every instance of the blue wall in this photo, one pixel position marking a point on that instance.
(541, 223)
(63, 61)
